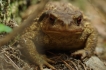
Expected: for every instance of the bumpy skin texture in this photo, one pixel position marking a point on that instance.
(61, 26)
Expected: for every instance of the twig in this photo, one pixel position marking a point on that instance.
(74, 64)
(83, 66)
(13, 64)
(23, 25)
(70, 68)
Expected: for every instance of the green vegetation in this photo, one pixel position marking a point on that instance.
(4, 28)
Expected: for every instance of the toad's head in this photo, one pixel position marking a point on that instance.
(61, 18)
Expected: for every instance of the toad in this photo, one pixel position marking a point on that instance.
(60, 27)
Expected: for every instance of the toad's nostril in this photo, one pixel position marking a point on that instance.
(71, 23)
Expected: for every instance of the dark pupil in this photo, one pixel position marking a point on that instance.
(52, 20)
(78, 21)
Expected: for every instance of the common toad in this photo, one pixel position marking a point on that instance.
(60, 26)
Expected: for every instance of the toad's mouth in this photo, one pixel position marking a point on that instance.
(64, 32)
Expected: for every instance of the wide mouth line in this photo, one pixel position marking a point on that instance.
(64, 32)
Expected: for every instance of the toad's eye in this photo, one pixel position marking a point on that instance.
(79, 19)
(52, 20)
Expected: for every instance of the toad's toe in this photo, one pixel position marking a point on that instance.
(80, 54)
(47, 64)
(43, 61)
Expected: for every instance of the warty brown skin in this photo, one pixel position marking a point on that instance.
(61, 26)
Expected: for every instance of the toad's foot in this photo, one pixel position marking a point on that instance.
(42, 60)
(81, 54)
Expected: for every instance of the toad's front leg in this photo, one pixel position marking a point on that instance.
(30, 51)
(90, 44)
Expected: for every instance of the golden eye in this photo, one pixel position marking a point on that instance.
(79, 19)
(52, 20)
